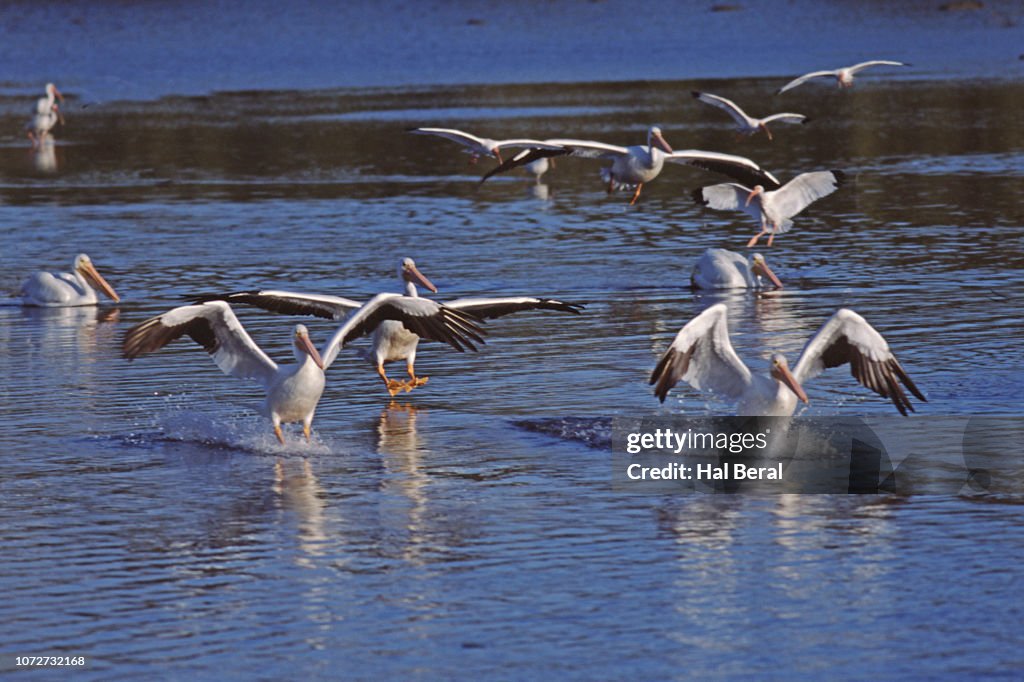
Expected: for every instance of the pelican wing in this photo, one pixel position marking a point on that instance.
(874, 62)
(489, 308)
(786, 117)
(421, 316)
(848, 338)
(726, 105)
(803, 79)
(289, 302)
(458, 136)
(801, 191)
(589, 149)
(524, 157)
(213, 326)
(738, 168)
(702, 356)
(727, 196)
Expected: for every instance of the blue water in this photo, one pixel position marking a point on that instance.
(151, 521)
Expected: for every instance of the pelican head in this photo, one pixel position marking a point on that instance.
(411, 275)
(760, 268)
(764, 126)
(303, 346)
(757, 191)
(654, 138)
(85, 268)
(52, 91)
(780, 372)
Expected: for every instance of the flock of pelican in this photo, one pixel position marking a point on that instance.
(701, 353)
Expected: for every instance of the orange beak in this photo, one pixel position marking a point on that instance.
(767, 132)
(790, 381)
(303, 342)
(60, 116)
(414, 275)
(660, 141)
(89, 272)
(762, 270)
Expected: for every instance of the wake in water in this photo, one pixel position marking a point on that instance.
(182, 421)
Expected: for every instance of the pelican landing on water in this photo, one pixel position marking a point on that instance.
(639, 164)
(746, 124)
(66, 289)
(769, 207)
(703, 356)
(293, 391)
(393, 341)
(844, 76)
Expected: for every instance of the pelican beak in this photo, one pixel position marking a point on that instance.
(786, 377)
(57, 93)
(60, 116)
(762, 270)
(753, 193)
(88, 271)
(413, 274)
(660, 141)
(764, 127)
(497, 154)
(305, 344)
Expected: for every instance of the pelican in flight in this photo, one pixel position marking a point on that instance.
(722, 269)
(772, 208)
(634, 166)
(46, 115)
(702, 356)
(843, 76)
(294, 390)
(481, 146)
(745, 124)
(66, 289)
(391, 341)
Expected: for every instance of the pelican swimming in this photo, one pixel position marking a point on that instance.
(67, 288)
(745, 124)
(844, 76)
(637, 165)
(480, 146)
(293, 391)
(722, 269)
(391, 341)
(46, 115)
(771, 207)
(703, 356)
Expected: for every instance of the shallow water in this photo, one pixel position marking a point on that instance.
(151, 521)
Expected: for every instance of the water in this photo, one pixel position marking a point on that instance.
(151, 520)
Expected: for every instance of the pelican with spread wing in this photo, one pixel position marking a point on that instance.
(768, 207)
(844, 76)
(702, 356)
(746, 124)
(637, 165)
(293, 391)
(66, 289)
(391, 340)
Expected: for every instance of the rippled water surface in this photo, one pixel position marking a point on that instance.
(151, 521)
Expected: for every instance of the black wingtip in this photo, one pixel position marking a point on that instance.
(806, 120)
(696, 93)
(840, 177)
(698, 196)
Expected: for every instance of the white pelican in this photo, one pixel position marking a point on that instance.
(480, 146)
(702, 355)
(46, 115)
(721, 269)
(843, 76)
(293, 391)
(745, 124)
(392, 341)
(639, 164)
(67, 288)
(771, 207)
